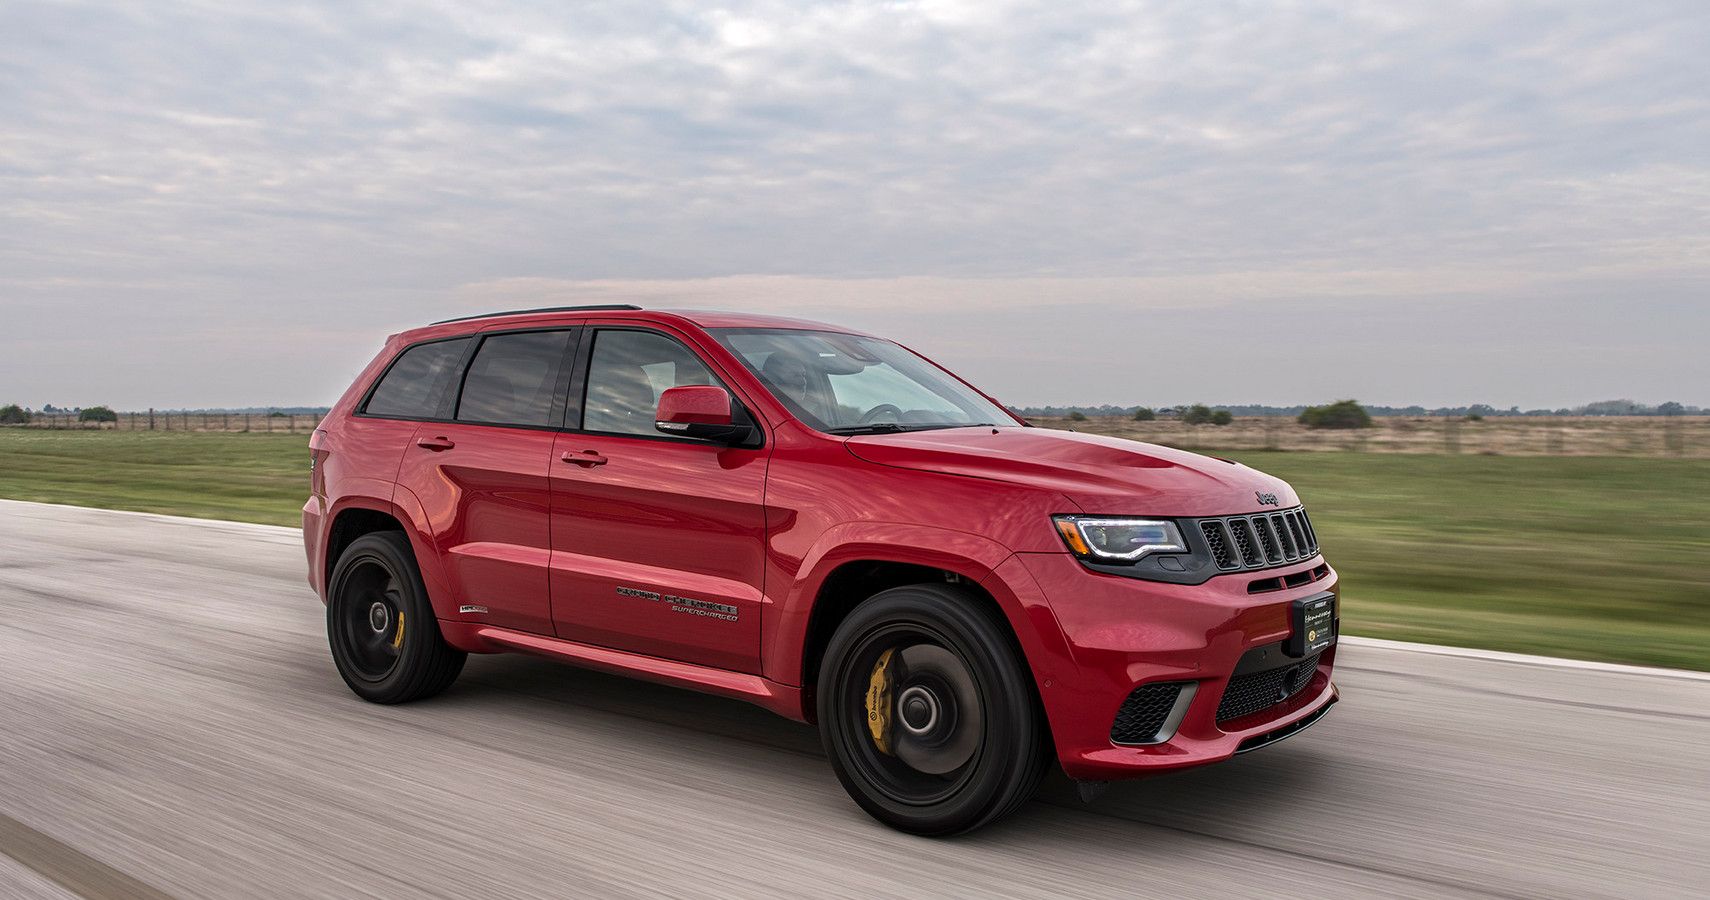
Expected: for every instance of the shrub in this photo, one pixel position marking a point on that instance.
(13, 414)
(97, 414)
(1144, 414)
(1341, 414)
(1077, 416)
(1222, 417)
(1197, 414)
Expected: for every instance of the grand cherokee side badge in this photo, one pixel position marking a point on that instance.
(1266, 499)
(704, 608)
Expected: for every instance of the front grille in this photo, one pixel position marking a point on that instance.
(1259, 691)
(1144, 713)
(1261, 540)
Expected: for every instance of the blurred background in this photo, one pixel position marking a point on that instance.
(1443, 267)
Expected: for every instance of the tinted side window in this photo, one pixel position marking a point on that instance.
(416, 385)
(627, 372)
(514, 378)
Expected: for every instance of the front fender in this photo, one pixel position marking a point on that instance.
(976, 558)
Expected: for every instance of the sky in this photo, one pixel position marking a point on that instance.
(231, 203)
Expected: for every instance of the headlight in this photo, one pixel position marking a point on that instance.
(1118, 540)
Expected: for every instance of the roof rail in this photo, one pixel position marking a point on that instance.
(544, 309)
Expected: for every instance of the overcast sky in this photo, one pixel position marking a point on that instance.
(232, 203)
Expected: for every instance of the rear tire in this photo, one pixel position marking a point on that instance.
(928, 712)
(385, 638)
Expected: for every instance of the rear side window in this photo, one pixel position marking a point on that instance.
(514, 379)
(418, 384)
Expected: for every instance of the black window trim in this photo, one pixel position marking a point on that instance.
(449, 403)
(579, 391)
(555, 415)
(462, 364)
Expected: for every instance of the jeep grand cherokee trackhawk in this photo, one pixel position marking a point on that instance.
(826, 524)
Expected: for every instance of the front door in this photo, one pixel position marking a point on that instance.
(657, 541)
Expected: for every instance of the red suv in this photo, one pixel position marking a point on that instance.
(826, 524)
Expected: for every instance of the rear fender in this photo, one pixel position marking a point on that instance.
(409, 512)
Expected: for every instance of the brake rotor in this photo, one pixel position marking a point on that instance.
(949, 738)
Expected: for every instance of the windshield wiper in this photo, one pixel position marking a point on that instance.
(897, 427)
(875, 428)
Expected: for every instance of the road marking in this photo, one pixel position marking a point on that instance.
(224, 524)
(1552, 662)
(69, 867)
(1375, 643)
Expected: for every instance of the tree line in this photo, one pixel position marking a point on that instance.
(1475, 410)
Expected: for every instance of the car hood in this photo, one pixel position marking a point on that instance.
(1103, 475)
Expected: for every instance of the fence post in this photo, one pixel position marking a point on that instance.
(225, 421)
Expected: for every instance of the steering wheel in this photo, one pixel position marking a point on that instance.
(871, 414)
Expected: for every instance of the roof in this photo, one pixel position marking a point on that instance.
(703, 318)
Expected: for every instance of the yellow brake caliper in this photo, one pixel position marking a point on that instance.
(879, 702)
(398, 639)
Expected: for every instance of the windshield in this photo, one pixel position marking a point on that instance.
(847, 384)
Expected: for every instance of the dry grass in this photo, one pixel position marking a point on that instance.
(1653, 436)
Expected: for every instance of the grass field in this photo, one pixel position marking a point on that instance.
(1588, 557)
(248, 477)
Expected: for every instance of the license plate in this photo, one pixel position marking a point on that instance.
(1314, 625)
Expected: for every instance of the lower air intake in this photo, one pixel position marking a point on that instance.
(1258, 691)
(1145, 713)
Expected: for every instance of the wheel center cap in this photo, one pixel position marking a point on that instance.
(379, 617)
(918, 709)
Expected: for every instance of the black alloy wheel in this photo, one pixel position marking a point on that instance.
(928, 713)
(384, 637)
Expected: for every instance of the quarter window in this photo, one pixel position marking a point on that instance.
(514, 379)
(627, 372)
(418, 384)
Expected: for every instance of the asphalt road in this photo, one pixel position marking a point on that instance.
(171, 725)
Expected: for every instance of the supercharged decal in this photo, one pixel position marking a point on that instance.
(721, 611)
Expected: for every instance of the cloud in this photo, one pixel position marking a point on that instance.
(330, 169)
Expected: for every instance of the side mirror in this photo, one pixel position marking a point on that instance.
(699, 411)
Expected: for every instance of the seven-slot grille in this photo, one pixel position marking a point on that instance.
(1260, 540)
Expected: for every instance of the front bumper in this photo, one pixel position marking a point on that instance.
(1119, 633)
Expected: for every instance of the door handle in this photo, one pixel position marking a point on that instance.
(435, 444)
(587, 459)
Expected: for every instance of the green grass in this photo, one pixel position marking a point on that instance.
(247, 477)
(1587, 557)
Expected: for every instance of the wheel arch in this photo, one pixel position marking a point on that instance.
(355, 516)
(852, 563)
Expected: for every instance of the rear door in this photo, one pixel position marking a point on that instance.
(657, 541)
(480, 471)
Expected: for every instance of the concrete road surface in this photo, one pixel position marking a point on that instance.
(171, 725)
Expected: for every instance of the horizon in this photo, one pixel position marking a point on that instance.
(213, 205)
(1388, 409)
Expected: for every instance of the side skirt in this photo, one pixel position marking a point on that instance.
(782, 699)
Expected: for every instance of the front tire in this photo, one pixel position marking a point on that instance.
(928, 711)
(384, 636)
